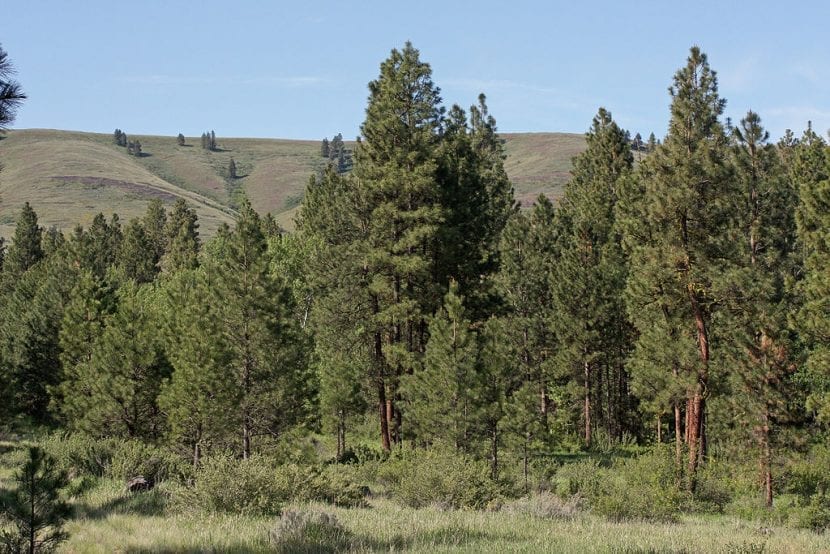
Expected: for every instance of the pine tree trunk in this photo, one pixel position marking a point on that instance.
(494, 445)
(659, 430)
(678, 441)
(697, 432)
(246, 437)
(587, 408)
(385, 442)
(694, 437)
(341, 434)
(766, 458)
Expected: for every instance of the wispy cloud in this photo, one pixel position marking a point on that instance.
(796, 118)
(802, 113)
(291, 82)
(166, 80)
(807, 71)
(262, 80)
(562, 98)
(742, 76)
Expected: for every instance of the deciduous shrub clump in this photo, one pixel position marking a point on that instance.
(438, 477)
(258, 486)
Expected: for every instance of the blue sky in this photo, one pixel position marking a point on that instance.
(299, 69)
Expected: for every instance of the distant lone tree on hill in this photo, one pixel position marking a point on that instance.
(180, 140)
(119, 137)
(337, 153)
(209, 140)
(232, 169)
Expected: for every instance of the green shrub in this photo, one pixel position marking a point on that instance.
(644, 488)
(809, 475)
(80, 455)
(132, 458)
(224, 484)
(582, 478)
(309, 531)
(331, 484)
(260, 486)
(436, 477)
(813, 514)
(83, 456)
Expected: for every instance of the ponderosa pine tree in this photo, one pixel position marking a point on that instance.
(395, 172)
(154, 223)
(34, 507)
(182, 238)
(88, 305)
(118, 387)
(26, 248)
(136, 258)
(441, 397)
(588, 278)
(96, 248)
(180, 139)
(757, 351)
(527, 251)
(332, 228)
(266, 350)
(11, 94)
(810, 172)
(686, 202)
(29, 327)
(199, 398)
(478, 200)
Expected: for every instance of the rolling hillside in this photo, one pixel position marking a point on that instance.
(69, 176)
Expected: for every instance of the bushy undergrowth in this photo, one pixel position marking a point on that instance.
(643, 487)
(438, 477)
(122, 459)
(259, 486)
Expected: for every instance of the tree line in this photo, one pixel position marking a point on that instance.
(680, 299)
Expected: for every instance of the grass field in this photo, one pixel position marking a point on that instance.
(107, 519)
(68, 177)
(387, 527)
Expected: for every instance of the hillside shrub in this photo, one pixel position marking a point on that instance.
(438, 477)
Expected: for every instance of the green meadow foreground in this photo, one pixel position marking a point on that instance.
(385, 527)
(106, 518)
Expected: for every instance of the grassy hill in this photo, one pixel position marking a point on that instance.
(69, 176)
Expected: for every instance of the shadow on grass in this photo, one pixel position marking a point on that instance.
(233, 549)
(151, 503)
(450, 536)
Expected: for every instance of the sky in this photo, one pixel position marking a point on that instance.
(300, 69)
